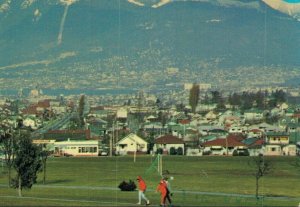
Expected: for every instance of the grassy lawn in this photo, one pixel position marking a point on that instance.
(198, 181)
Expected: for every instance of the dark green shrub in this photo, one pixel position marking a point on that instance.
(244, 153)
(172, 151)
(179, 151)
(159, 151)
(130, 186)
(206, 153)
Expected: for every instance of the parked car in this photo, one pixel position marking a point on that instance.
(104, 153)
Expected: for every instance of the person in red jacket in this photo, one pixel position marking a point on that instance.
(162, 188)
(169, 194)
(142, 189)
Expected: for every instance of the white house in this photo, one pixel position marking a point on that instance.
(290, 150)
(278, 144)
(166, 142)
(31, 122)
(272, 149)
(237, 129)
(131, 143)
(122, 113)
(253, 114)
(59, 109)
(280, 138)
(264, 127)
(77, 148)
(211, 115)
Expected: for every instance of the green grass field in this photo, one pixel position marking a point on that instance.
(198, 181)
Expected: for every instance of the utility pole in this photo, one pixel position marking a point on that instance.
(134, 154)
(226, 146)
(111, 140)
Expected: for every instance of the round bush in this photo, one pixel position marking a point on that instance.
(179, 151)
(159, 151)
(172, 151)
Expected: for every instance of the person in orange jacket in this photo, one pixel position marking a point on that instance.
(142, 189)
(162, 188)
(169, 194)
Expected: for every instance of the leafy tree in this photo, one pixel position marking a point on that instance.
(162, 117)
(259, 99)
(215, 96)
(180, 107)
(158, 103)
(247, 102)
(27, 163)
(194, 97)
(221, 104)
(280, 96)
(206, 99)
(8, 142)
(262, 167)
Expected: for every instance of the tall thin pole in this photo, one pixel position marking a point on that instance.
(226, 146)
(160, 166)
(134, 154)
(2, 163)
(158, 163)
(111, 141)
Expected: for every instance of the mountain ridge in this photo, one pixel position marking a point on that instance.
(180, 34)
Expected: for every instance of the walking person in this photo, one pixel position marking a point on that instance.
(162, 188)
(169, 194)
(142, 189)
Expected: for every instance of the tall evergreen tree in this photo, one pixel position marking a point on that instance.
(259, 99)
(215, 97)
(194, 97)
(81, 110)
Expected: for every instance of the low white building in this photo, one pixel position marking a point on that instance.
(273, 149)
(77, 148)
(130, 144)
(290, 150)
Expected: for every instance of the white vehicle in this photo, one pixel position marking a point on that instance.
(103, 153)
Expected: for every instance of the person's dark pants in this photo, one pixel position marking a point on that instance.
(168, 197)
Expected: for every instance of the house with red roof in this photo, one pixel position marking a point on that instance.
(224, 146)
(167, 142)
(63, 135)
(38, 108)
(255, 133)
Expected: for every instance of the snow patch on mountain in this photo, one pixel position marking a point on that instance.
(5, 6)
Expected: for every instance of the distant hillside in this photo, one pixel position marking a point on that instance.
(184, 32)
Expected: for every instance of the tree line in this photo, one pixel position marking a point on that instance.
(244, 101)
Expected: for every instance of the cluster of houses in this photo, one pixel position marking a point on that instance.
(147, 129)
(273, 143)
